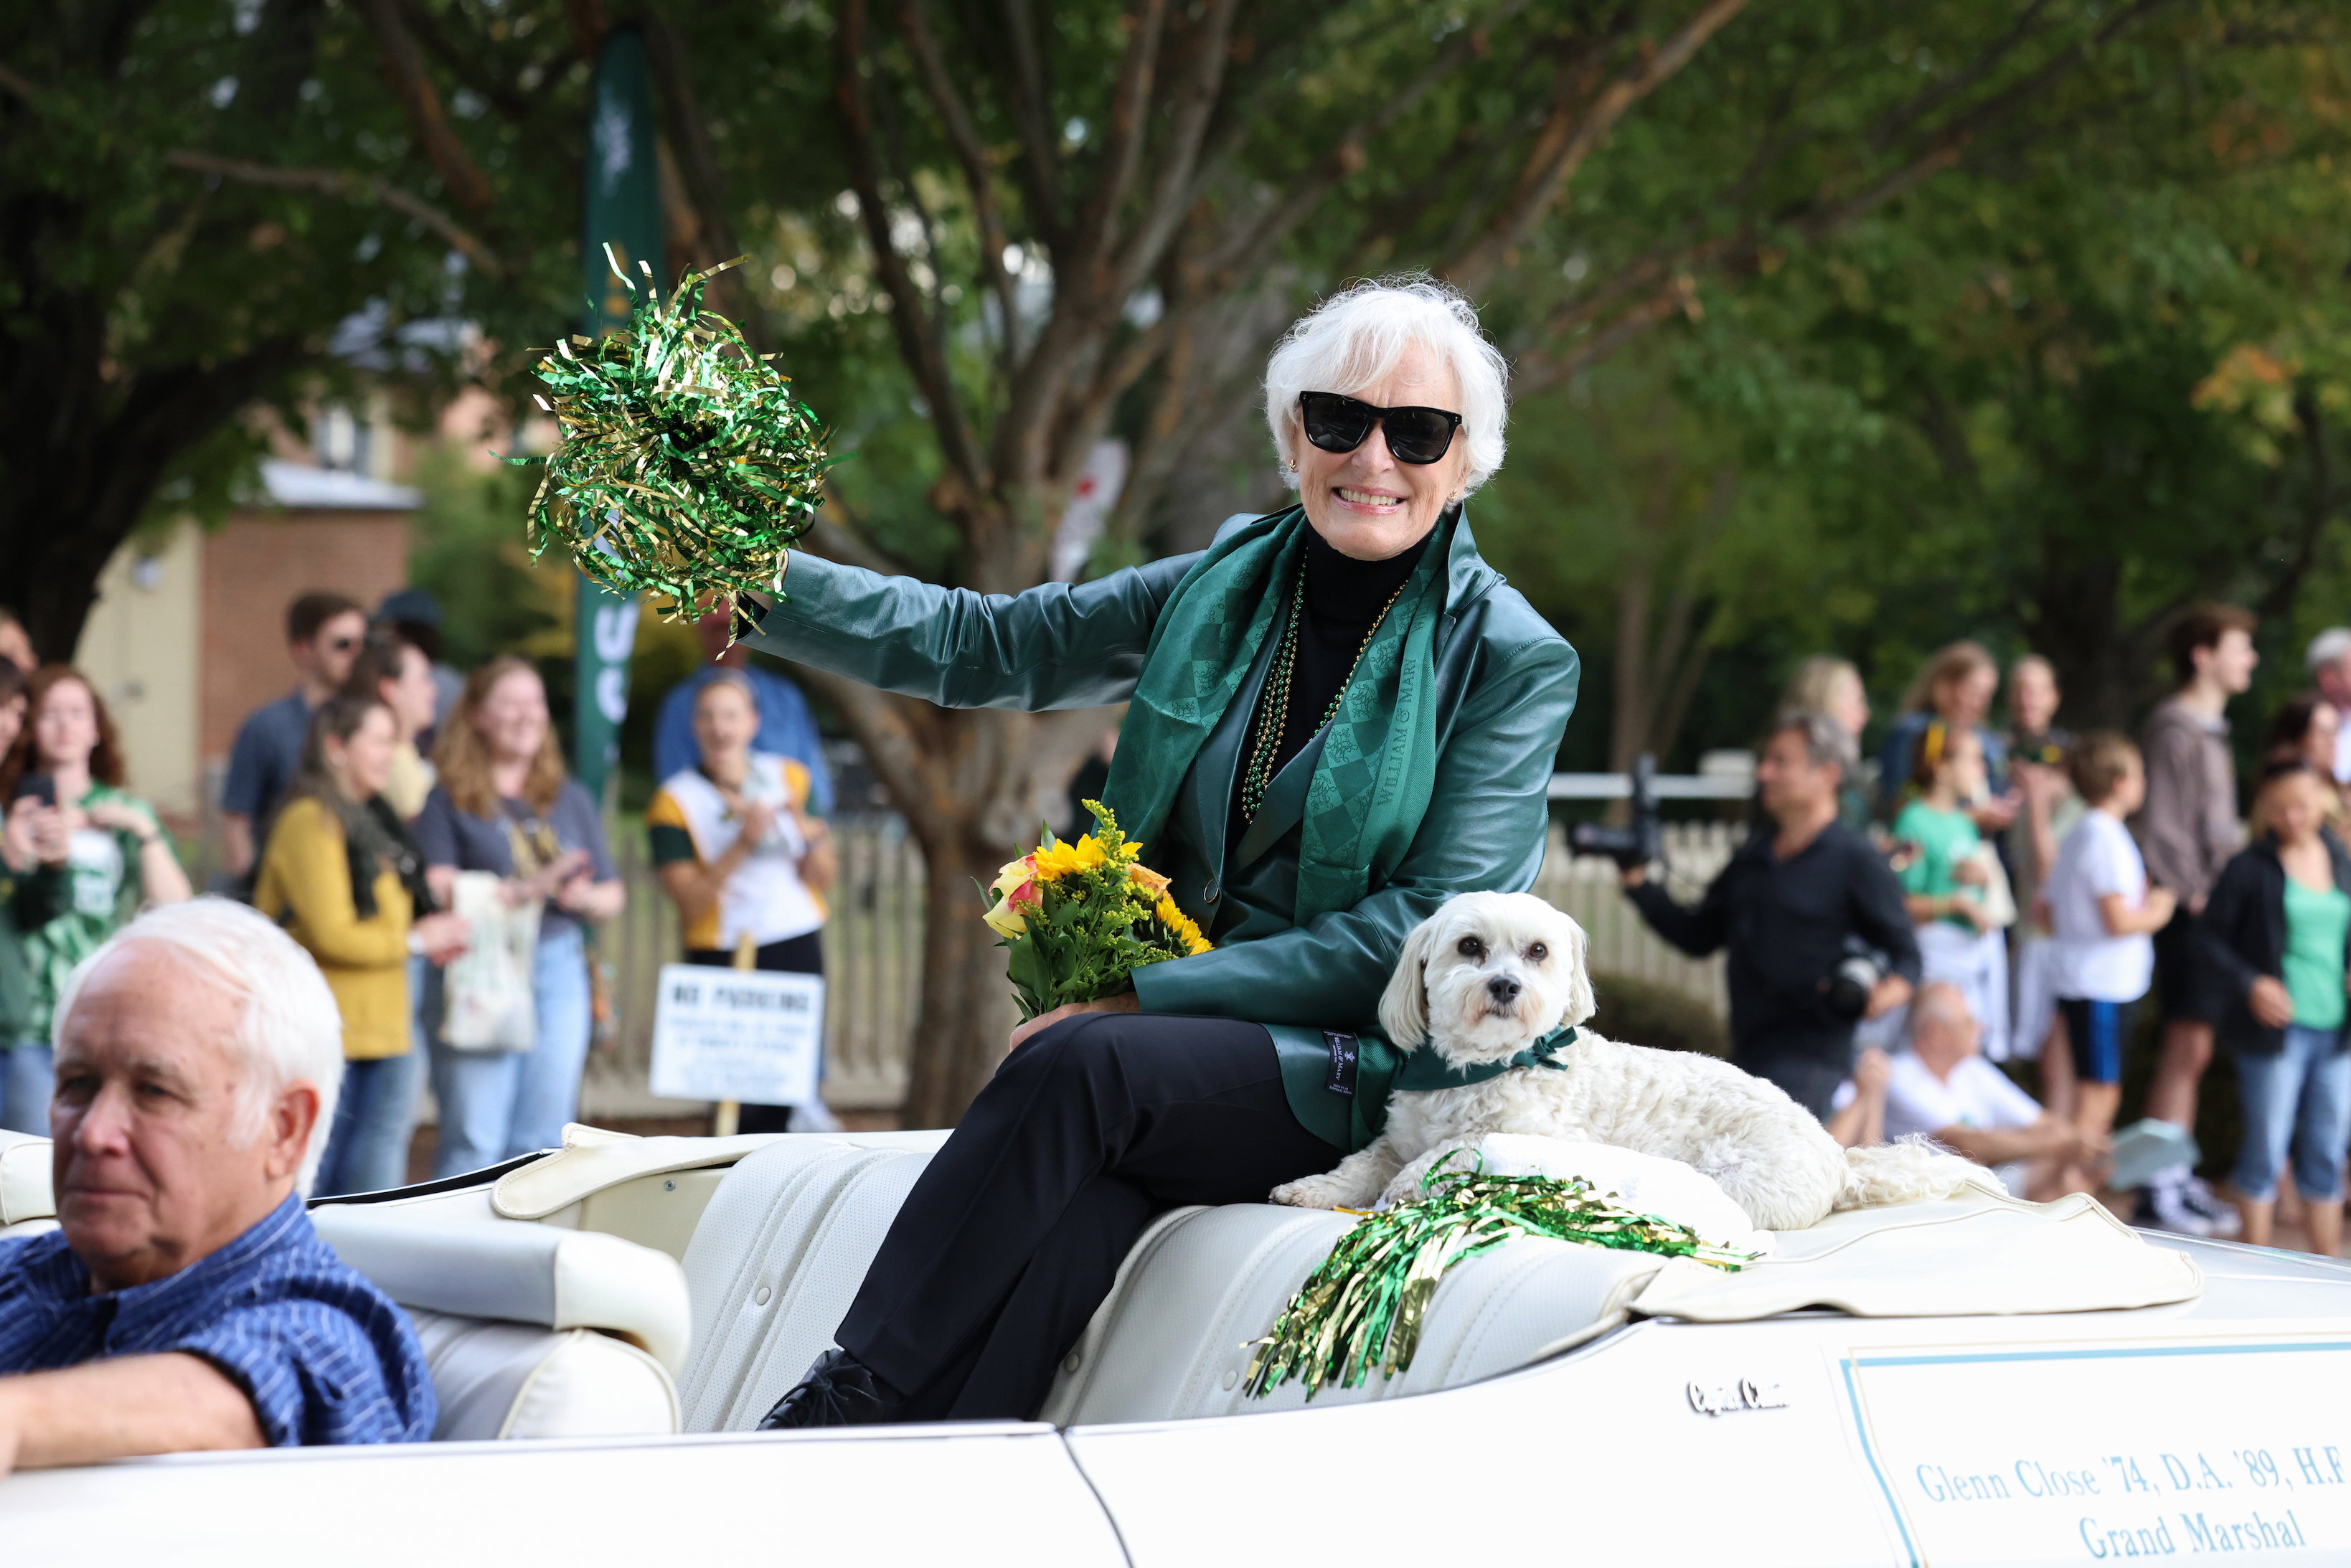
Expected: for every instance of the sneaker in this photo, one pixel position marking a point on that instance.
(2164, 1207)
(2197, 1194)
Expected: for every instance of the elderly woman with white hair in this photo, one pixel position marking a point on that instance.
(185, 1303)
(1337, 717)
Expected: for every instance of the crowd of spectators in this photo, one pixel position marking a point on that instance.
(2048, 884)
(361, 812)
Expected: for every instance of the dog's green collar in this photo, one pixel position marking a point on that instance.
(1424, 1070)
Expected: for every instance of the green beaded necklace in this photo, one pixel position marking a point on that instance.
(1273, 710)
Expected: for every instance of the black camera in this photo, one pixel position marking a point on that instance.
(1640, 841)
(1847, 990)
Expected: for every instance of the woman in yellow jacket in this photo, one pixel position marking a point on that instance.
(345, 879)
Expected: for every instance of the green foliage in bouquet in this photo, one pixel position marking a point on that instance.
(687, 467)
(1081, 919)
(1366, 1306)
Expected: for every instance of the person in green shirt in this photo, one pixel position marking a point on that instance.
(118, 860)
(1338, 717)
(32, 893)
(2277, 929)
(1948, 878)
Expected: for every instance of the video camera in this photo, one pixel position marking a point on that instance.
(1637, 844)
(1850, 985)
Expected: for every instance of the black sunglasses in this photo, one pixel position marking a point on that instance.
(1337, 422)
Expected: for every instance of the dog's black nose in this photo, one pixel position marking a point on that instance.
(1503, 990)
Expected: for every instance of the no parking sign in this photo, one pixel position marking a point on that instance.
(733, 1034)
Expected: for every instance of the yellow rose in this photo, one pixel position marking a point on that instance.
(1151, 882)
(1014, 873)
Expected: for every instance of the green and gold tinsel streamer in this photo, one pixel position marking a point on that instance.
(687, 467)
(1364, 1307)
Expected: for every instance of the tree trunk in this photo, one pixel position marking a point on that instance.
(967, 1013)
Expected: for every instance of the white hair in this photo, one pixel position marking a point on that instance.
(2328, 648)
(1353, 339)
(289, 1030)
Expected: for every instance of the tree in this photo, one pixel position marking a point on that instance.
(2090, 371)
(1025, 232)
(1054, 218)
(194, 199)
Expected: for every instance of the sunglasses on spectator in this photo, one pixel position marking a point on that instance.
(1336, 422)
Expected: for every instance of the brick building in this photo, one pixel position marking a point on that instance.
(188, 635)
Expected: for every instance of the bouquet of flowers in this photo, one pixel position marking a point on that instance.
(1081, 919)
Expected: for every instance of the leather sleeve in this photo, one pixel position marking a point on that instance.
(1488, 820)
(1061, 646)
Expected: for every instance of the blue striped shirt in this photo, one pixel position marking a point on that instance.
(323, 1354)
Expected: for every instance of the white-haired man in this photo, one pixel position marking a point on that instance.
(185, 1303)
(1943, 1087)
(2329, 661)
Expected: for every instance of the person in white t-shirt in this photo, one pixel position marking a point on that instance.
(1943, 1087)
(2103, 915)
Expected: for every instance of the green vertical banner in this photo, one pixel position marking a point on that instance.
(619, 207)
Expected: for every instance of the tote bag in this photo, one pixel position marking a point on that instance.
(486, 1002)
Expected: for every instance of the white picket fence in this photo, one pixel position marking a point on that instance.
(873, 948)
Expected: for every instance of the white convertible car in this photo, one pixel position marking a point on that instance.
(1977, 1381)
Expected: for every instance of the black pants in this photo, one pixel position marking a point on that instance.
(1808, 1066)
(802, 955)
(1015, 1232)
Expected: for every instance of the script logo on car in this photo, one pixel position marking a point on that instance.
(1724, 1398)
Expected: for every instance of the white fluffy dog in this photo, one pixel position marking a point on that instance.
(1487, 975)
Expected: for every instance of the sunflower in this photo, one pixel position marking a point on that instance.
(1186, 930)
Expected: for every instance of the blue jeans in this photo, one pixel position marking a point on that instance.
(374, 1117)
(497, 1104)
(27, 1080)
(2300, 1097)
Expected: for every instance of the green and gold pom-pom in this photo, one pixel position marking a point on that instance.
(1364, 1308)
(687, 467)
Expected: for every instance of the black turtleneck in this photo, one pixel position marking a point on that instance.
(1344, 597)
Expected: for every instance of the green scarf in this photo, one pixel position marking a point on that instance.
(1378, 768)
(1424, 1070)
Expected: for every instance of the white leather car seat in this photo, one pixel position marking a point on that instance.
(1173, 1339)
(26, 1206)
(787, 1239)
(774, 1261)
(531, 1330)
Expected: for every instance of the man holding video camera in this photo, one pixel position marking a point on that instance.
(1811, 915)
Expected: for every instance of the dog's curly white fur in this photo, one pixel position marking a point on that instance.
(1488, 975)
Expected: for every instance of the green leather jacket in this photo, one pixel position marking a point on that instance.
(1506, 684)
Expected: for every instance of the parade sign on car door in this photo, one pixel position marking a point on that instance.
(2111, 1451)
(734, 1034)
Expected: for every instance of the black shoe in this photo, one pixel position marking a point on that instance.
(837, 1390)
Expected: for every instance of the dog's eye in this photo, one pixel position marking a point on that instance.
(1538, 953)
(1471, 947)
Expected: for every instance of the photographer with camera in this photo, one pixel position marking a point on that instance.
(1813, 919)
